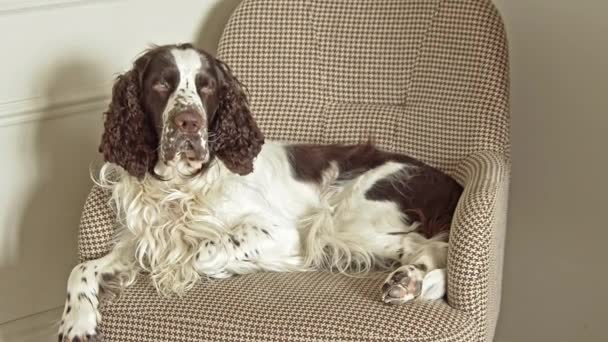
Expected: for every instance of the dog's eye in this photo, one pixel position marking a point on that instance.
(161, 86)
(204, 85)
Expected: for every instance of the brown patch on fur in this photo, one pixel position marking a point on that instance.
(107, 277)
(310, 161)
(427, 196)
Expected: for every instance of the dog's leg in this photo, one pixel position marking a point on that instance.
(422, 274)
(252, 239)
(81, 316)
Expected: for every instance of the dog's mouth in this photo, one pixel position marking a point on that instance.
(188, 150)
(193, 154)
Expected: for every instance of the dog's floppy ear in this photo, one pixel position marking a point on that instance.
(129, 138)
(237, 138)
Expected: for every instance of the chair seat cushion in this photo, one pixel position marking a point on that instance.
(313, 306)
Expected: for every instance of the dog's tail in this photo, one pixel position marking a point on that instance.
(325, 246)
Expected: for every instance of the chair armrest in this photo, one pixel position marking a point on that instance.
(475, 256)
(96, 225)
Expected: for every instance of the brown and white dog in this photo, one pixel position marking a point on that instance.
(198, 194)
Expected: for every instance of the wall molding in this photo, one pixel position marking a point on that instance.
(16, 6)
(44, 108)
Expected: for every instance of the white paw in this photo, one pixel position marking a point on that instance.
(80, 319)
(403, 285)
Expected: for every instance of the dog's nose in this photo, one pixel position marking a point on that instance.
(188, 122)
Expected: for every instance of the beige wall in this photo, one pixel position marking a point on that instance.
(556, 279)
(58, 60)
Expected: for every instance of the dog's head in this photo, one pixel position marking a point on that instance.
(179, 105)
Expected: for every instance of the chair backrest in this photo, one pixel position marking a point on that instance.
(424, 77)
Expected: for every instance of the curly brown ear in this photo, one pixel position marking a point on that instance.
(129, 139)
(237, 138)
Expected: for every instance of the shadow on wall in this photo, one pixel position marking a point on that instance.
(212, 27)
(47, 215)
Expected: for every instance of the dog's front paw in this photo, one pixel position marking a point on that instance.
(211, 259)
(79, 321)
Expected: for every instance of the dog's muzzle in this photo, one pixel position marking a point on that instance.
(185, 138)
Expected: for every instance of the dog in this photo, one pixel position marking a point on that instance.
(199, 194)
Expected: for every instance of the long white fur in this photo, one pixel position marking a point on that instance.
(346, 231)
(167, 222)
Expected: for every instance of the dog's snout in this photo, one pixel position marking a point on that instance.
(188, 122)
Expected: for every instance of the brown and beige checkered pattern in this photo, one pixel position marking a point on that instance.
(96, 225)
(316, 306)
(424, 77)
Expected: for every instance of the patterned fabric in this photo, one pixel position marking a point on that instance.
(477, 239)
(424, 77)
(96, 225)
(316, 306)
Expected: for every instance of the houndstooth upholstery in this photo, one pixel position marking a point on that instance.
(316, 306)
(96, 225)
(424, 77)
